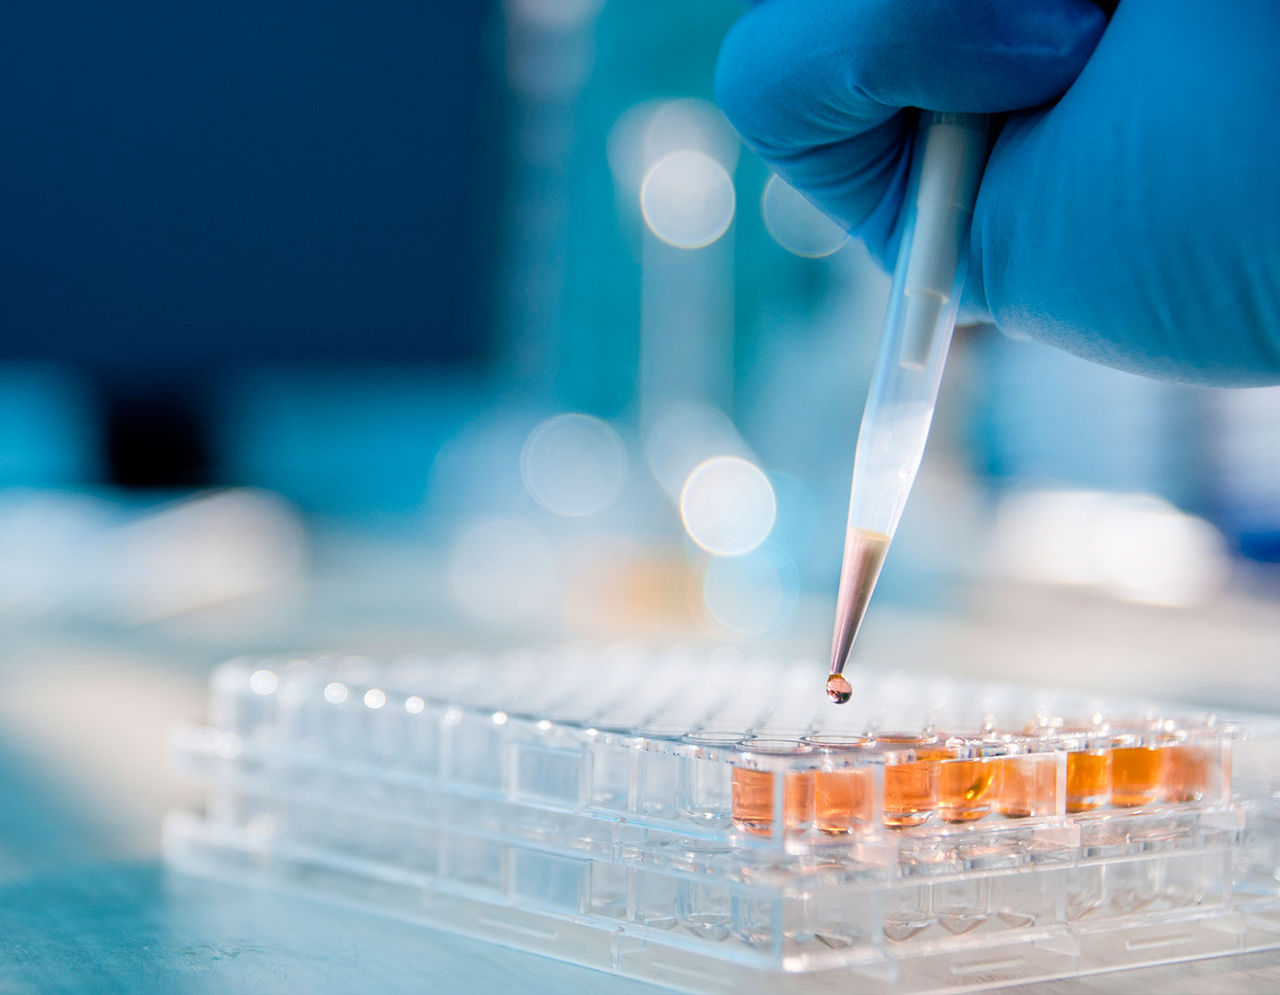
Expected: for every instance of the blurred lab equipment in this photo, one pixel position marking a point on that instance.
(191, 193)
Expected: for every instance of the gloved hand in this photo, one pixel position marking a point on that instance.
(1135, 221)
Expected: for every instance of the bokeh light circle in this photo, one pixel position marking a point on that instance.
(682, 435)
(335, 692)
(751, 594)
(687, 199)
(573, 465)
(797, 225)
(647, 131)
(728, 505)
(263, 682)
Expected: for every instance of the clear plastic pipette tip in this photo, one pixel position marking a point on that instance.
(860, 568)
(928, 278)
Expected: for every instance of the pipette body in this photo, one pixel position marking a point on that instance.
(949, 155)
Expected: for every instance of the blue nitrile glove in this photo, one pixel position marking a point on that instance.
(1136, 221)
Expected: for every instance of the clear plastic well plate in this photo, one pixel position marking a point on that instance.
(709, 809)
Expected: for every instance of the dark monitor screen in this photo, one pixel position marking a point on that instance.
(208, 183)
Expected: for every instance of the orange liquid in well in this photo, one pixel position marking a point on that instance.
(964, 789)
(910, 793)
(842, 800)
(753, 800)
(1189, 771)
(1136, 773)
(1088, 780)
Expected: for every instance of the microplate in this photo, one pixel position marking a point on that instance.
(704, 820)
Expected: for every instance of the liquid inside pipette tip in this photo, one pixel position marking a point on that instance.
(863, 556)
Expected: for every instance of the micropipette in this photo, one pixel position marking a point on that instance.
(950, 152)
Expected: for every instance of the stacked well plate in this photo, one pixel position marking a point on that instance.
(707, 822)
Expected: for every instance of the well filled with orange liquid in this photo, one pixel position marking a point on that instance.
(842, 800)
(910, 779)
(1190, 772)
(753, 799)
(1088, 780)
(923, 778)
(1136, 774)
(965, 789)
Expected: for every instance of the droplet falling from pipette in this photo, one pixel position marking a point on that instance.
(839, 689)
(864, 552)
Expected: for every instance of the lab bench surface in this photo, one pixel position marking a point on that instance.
(139, 928)
(85, 714)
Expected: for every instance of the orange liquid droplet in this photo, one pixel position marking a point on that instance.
(839, 690)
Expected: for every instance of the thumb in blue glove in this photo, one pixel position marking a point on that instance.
(1135, 221)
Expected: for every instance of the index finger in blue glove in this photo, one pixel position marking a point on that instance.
(817, 87)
